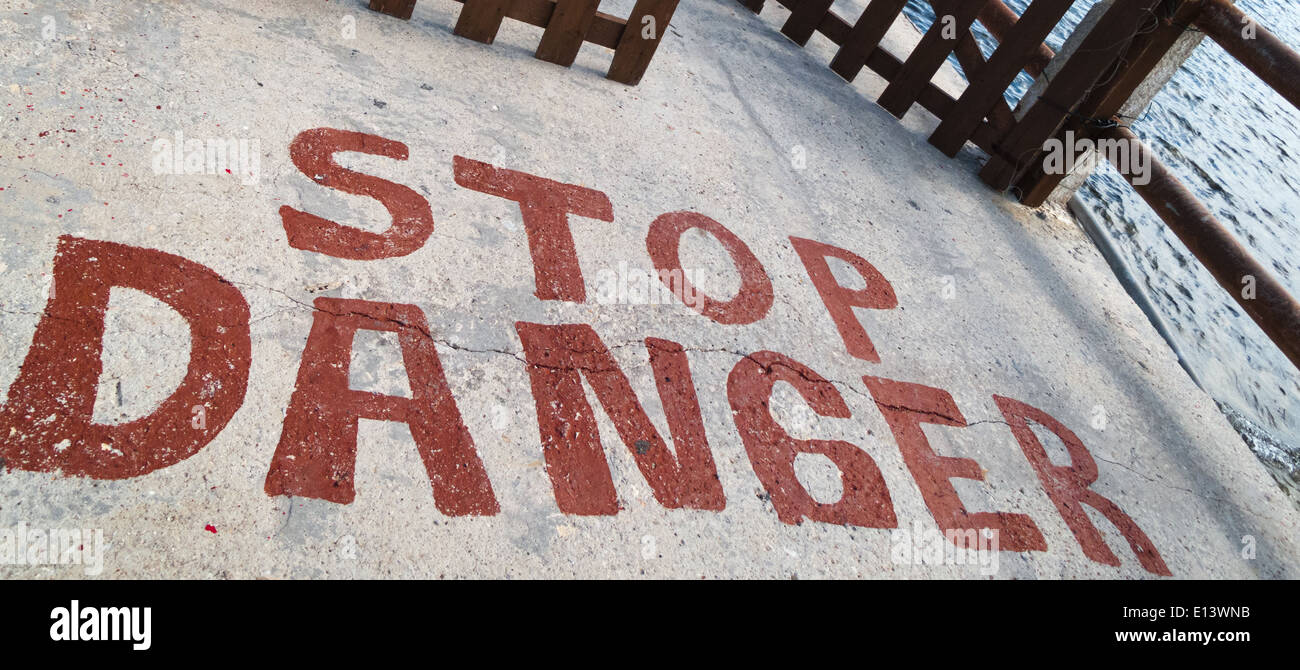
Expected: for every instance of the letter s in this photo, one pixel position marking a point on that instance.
(312, 152)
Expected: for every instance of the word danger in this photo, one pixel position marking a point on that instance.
(45, 426)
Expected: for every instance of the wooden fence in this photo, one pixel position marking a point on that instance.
(980, 114)
(1083, 96)
(566, 24)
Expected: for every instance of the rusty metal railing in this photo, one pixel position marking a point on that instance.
(999, 20)
(1269, 304)
(1252, 286)
(1264, 54)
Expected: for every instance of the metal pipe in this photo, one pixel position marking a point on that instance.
(1269, 303)
(1253, 45)
(999, 19)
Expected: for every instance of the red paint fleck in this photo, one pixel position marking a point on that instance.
(211, 529)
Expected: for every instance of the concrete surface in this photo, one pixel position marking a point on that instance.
(992, 299)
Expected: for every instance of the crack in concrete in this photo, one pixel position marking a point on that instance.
(519, 356)
(1160, 481)
(904, 408)
(287, 517)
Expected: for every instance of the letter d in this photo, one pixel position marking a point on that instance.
(53, 399)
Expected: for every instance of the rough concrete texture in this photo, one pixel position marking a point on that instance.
(992, 299)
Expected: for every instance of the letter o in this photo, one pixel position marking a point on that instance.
(754, 298)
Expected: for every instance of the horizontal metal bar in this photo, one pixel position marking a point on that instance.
(999, 19)
(1254, 288)
(1258, 49)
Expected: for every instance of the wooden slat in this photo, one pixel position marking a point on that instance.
(865, 37)
(606, 30)
(972, 59)
(928, 56)
(932, 98)
(804, 20)
(998, 19)
(1146, 52)
(481, 19)
(402, 9)
(1080, 73)
(639, 42)
(566, 31)
(988, 85)
(885, 64)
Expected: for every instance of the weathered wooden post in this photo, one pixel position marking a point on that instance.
(567, 24)
(566, 31)
(481, 19)
(1152, 58)
(646, 27)
(402, 9)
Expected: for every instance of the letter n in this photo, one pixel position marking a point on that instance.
(317, 453)
(559, 357)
